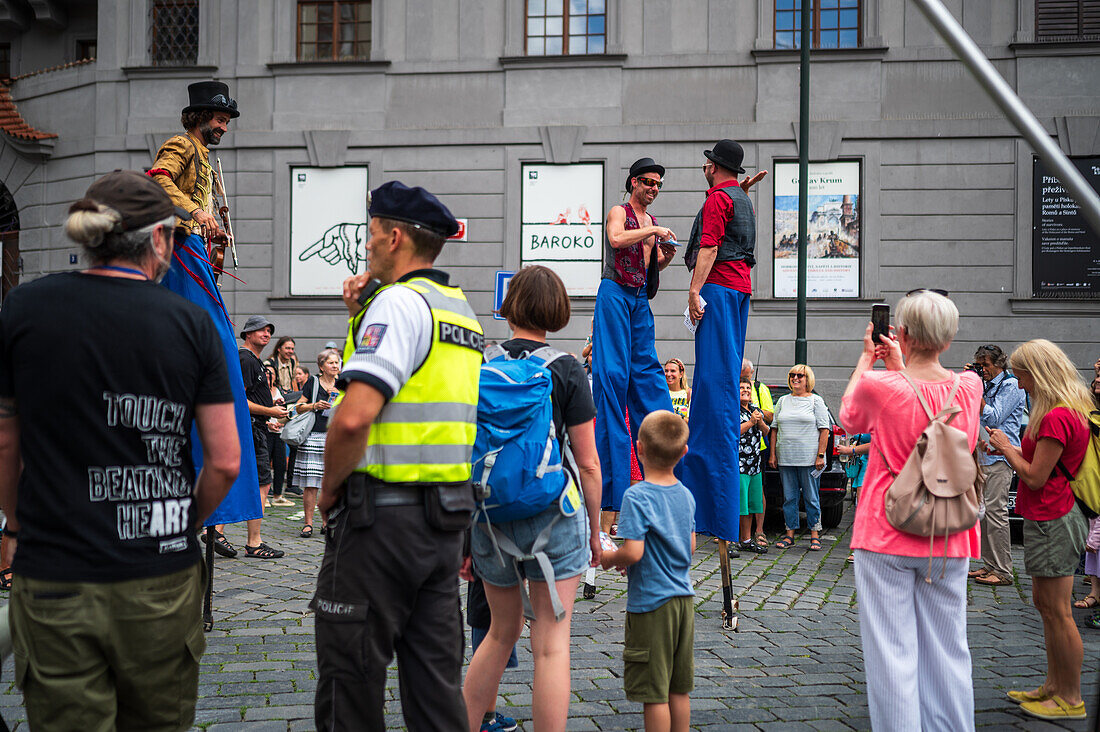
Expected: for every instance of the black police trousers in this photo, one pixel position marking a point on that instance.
(391, 586)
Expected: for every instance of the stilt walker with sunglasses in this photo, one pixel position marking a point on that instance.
(625, 371)
(183, 169)
(720, 253)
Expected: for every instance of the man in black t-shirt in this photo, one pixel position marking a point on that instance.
(97, 481)
(256, 334)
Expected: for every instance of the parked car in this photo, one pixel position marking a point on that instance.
(834, 481)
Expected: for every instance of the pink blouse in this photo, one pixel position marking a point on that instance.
(885, 405)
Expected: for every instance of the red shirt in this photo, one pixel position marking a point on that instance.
(717, 210)
(1054, 499)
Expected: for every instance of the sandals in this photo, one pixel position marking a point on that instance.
(992, 580)
(815, 544)
(306, 532)
(1028, 696)
(221, 545)
(1061, 709)
(263, 551)
(974, 574)
(762, 540)
(5, 579)
(1083, 604)
(784, 543)
(1093, 621)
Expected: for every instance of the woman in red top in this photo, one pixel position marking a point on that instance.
(1055, 530)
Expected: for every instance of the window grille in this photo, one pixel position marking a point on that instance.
(334, 31)
(174, 32)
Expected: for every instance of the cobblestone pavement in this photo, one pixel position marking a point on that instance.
(795, 664)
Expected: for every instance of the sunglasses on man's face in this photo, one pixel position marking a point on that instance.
(650, 182)
(927, 289)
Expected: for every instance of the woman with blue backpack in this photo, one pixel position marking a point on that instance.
(529, 456)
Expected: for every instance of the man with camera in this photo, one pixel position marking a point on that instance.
(1003, 406)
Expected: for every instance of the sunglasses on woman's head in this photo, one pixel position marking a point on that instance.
(927, 289)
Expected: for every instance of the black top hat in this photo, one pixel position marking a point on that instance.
(644, 165)
(213, 95)
(728, 154)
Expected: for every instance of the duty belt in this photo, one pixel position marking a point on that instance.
(385, 494)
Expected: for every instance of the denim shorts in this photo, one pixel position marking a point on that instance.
(567, 549)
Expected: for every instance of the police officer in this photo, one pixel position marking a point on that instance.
(396, 491)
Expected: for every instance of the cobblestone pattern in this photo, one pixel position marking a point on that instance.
(795, 663)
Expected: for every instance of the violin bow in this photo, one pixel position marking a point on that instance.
(223, 210)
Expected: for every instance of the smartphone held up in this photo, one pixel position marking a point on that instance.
(880, 322)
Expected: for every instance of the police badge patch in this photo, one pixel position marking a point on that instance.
(372, 338)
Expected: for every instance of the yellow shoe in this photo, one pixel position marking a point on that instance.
(1062, 710)
(1028, 696)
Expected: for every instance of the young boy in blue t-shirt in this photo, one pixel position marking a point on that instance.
(657, 522)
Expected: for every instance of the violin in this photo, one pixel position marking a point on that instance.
(216, 244)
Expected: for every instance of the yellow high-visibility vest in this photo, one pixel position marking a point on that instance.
(425, 434)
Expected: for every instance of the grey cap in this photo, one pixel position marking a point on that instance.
(331, 344)
(256, 322)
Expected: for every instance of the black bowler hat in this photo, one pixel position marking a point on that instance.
(395, 200)
(212, 95)
(728, 154)
(644, 165)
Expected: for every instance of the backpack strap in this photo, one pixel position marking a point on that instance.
(948, 409)
(920, 397)
(493, 352)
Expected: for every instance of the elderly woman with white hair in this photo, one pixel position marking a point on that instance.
(912, 626)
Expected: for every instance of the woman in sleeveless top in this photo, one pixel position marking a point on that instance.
(677, 386)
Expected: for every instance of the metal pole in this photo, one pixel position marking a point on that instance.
(803, 181)
(1013, 108)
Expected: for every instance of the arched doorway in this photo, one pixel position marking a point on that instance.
(10, 261)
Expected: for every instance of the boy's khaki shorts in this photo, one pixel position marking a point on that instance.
(659, 653)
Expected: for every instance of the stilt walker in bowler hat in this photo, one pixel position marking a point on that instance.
(625, 371)
(182, 168)
(720, 253)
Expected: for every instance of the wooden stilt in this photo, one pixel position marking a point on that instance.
(729, 605)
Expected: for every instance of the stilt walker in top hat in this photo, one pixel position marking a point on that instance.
(183, 169)
(720, 253)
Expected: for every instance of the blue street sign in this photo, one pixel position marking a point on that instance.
(503, 278)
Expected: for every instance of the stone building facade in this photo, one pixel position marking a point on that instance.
(448, 94)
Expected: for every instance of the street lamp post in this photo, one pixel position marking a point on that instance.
(803, 181)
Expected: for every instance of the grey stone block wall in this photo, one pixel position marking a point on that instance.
(443, 104)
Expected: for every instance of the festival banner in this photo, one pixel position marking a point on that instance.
(1065, 251)
(561, 223)
(328, 228)
(833, 234)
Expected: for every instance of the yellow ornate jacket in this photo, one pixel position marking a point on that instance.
(182, 168)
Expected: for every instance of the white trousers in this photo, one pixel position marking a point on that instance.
(914, 643)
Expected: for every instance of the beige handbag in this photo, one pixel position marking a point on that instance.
(938, 490)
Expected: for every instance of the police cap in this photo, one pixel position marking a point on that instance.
(395, 200)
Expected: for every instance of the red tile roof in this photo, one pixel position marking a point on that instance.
(12, 124)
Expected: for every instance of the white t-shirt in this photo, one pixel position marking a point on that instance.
(393, 340)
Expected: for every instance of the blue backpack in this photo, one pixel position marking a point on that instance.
(517, 461)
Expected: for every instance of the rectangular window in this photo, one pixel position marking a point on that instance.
(85, 50)
(333, 31)
(1067, 20)
(833, 23)
(565, 27)
(173, 32)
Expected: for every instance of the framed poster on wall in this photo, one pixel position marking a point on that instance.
(833, 233)
(561, 222)
(1065, 251)
(328, 228)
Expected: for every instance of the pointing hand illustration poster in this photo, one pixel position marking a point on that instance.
(328, 230)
